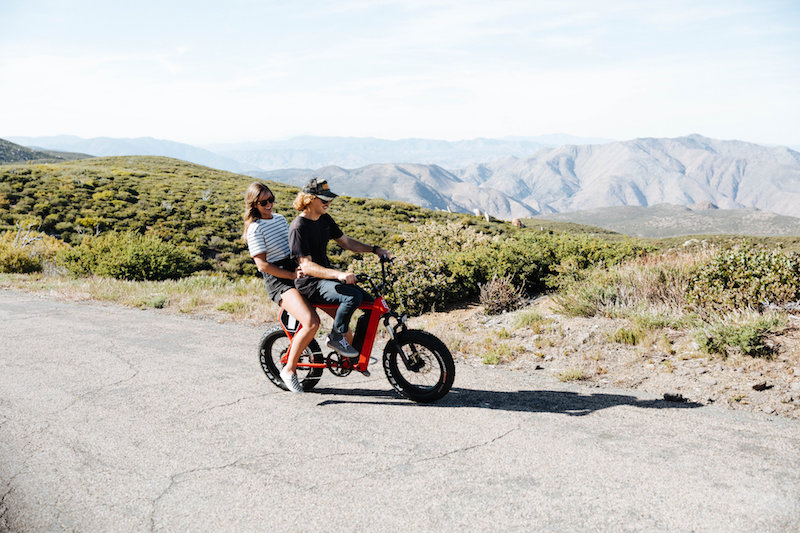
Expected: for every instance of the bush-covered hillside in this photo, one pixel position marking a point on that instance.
(191, 206)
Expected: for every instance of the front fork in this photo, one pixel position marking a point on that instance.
(411, 361)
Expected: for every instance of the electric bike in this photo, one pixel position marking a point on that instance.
(417, 364)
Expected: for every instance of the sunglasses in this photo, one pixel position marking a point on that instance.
(268, 201)
(324, 202)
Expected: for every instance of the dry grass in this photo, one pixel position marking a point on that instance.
(213, 296)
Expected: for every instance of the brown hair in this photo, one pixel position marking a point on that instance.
(302, 200)
(250, 210)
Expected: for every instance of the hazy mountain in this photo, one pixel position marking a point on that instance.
(106, 146)
(682, 171)
(354, 152)
(666, 220)
(424, 185)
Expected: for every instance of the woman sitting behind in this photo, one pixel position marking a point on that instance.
(267, 237)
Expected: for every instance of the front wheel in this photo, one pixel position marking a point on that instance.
(429, 371)
(272, 351)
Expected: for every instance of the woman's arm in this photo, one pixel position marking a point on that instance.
(264, 266)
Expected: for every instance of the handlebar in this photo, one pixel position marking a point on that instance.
(377, 284)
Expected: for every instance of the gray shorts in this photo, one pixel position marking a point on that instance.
(277, 286)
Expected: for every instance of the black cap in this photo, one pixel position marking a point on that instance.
(319, 188)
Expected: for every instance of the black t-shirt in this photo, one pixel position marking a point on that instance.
(310, 237)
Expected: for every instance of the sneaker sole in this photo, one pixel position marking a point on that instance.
(288, 386)
(342, 353)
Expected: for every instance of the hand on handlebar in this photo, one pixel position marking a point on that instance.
(383, 254)
(347, 277)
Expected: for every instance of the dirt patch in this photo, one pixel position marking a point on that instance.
(601, 352)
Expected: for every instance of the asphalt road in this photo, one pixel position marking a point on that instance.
(115, 419)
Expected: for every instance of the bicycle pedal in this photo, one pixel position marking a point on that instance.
(365, 373)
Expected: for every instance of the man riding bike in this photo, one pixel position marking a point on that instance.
(308, 240)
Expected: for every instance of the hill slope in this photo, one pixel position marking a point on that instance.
(107, 146)
(191, 205)
(14, 153)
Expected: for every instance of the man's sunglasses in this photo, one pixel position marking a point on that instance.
(325, 202)
(269, 200)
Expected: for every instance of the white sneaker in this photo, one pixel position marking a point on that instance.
(291, 381)
(336, 341)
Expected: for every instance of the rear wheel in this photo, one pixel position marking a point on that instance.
(271, 351)
(430, 371)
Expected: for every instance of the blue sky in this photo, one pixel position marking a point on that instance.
(246, 70)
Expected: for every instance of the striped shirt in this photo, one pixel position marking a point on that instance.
(270, 235)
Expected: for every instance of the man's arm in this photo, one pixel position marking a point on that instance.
(310, 268)
(349, 243)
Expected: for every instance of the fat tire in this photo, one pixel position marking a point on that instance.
(269, 355)
(437, 358)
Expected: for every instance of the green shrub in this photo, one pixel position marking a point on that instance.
(655, 283)
(746, 332)
(24, 251)
(128, 256)
(628, 335)
(527, 319)
(422, 277)
(746, 277)
(590, 297)
(18, 260)
(440, 264)
(572, 374)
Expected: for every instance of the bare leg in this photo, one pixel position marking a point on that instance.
(298, 307)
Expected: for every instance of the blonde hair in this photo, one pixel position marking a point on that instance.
(303, 200)
(250, 199)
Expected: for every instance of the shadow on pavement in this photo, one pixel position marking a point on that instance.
(532, 401)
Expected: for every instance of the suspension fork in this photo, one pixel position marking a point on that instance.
(409, 361)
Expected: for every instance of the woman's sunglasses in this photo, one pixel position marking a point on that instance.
(266, 202)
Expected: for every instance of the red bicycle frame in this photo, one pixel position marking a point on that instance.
(376, 310)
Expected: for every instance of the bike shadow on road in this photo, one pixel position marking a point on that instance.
(532, 401)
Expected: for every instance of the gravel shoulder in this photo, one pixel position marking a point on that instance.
(667, 362)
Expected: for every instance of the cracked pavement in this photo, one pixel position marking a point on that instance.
(115, 419)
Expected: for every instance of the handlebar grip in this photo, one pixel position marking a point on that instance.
(361, 277)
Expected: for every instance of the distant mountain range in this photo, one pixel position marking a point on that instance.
(665, 220)
(643, 172)
(424, 185)
(354, 152)
(506, 178)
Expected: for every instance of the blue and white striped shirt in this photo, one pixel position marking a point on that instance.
(270, 235)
